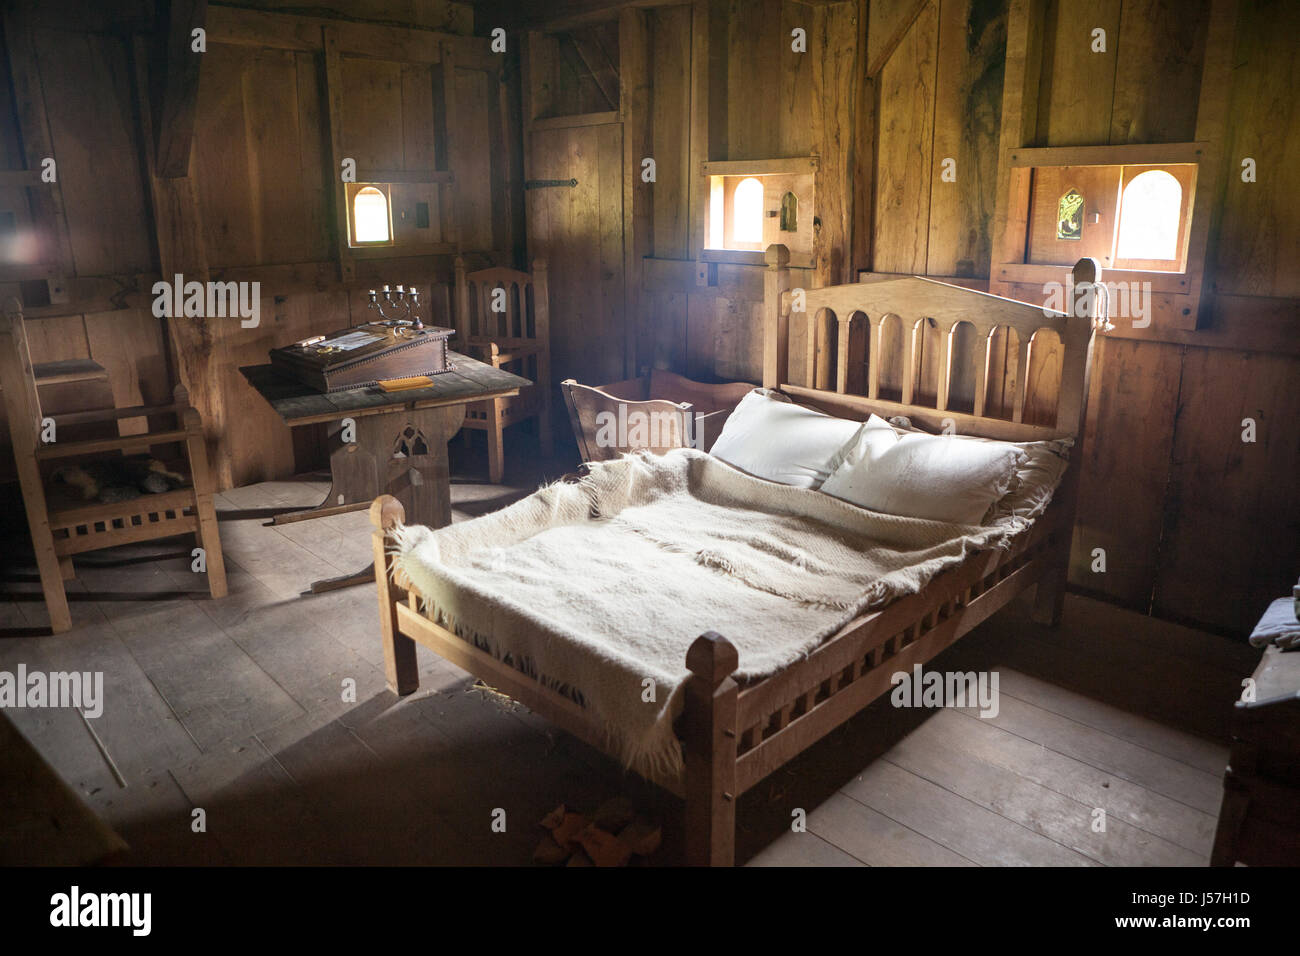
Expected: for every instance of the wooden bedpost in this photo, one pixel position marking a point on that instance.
(386, 512)
(776, 323)
(1086, 307)
(710, 724)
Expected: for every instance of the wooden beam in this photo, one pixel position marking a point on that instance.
(793, 165)
(635, 106)
(175, 85)
(447, 198)
(890, 43)
(1025, 20)
(38, 146)
(556, 15)
(1211, 178)
(864, 154)
(699, 149)
(334, 98)
(834, 89)
(178, 227)
(573, 120)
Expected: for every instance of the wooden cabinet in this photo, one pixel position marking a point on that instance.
(1259, 823)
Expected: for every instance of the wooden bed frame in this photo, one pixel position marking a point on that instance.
(734, 736)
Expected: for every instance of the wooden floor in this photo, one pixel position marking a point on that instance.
(237, 707)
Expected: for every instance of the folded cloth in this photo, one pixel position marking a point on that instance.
(1278, 626)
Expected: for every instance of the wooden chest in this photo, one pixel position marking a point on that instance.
(1259, 823)
(364, 355)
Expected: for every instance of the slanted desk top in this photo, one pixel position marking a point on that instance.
(468, 381)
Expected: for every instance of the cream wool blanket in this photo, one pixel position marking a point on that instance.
(597, 588)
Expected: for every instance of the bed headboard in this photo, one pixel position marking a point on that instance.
(844, 340)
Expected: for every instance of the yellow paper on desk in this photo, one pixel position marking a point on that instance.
(401, 384)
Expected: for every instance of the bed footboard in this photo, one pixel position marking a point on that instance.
(709, 728)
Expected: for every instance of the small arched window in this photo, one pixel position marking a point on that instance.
(370, 215)
(1150, 215)
(747, 211)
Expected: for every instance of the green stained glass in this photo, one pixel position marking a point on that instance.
(789, 213)
(1069, 216)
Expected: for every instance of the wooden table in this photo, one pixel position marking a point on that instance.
(399, 440)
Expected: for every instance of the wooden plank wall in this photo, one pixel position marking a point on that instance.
(1187, 513)
(1193, 520)
(258, 203)
(759, 99)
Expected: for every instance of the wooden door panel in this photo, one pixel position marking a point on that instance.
(579, 231)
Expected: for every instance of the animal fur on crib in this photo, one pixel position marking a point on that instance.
(119, 479)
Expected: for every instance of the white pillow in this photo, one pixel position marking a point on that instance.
(1036, 479)
(770, 437)
(937, 477)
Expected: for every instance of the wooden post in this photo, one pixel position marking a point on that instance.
(24, 407)
(634, 105)
(386, 513)
(710, 724)
(461, 306)
(1085, 316)
(542, 331)
(202, 481)
(776, 322)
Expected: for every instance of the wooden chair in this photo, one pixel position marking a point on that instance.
(503, 318)
(607, 426)
(61, 529)
(704, 409)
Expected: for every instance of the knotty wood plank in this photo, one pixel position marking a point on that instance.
(1164, 775)
(242, 699)
(803, 849)
(1128, 444)
(967, 113)
(87, 87)
(1165, 39)
(636, 105)
(1060, 815)
(1152, 812)
(834, 77)
(252, 803)
(1258, 244)
(1225, 490)
(1180, 745)
(1077, 84)
(874, 838)
(669, 66)
(137, 727)
(981, 836)
(905, 124)
(888, 24)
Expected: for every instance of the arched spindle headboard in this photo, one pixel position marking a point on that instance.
(844, 341)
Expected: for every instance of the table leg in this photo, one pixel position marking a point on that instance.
(409, 454)
(354, 471)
